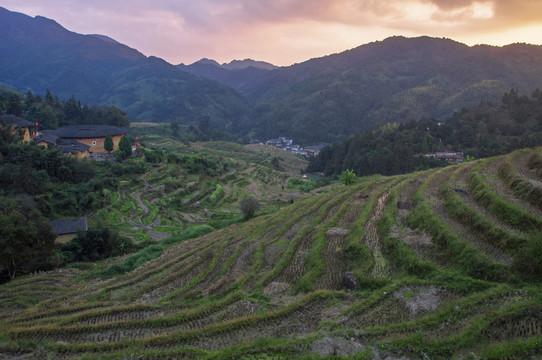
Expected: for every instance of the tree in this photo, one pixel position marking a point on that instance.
(348, 177)
(249, 206)
(125, 147)
(97, 243)
(26, 240)
(108, 143)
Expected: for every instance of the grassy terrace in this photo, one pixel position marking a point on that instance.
(439, 264)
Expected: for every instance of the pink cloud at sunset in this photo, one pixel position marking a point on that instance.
(286, 31)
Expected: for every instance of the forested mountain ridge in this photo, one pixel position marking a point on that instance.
(324, 99)
(395, 80)
(487, 129)
(41, 55)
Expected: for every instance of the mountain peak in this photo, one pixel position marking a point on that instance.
(246, 63)
(205, 61)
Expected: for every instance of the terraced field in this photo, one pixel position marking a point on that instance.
(433, 265)
(165, 199)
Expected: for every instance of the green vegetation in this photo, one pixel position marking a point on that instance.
(26, 240)
(482, 131)
(387, 266)
(50, 112)
(96, 243)
(303, 185)
(125, 147)
(248, 207)
(108, 143)
(347, 177)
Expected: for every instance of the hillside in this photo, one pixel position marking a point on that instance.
(395, 80)
(439, 264)
(97, 70)
(485, 130)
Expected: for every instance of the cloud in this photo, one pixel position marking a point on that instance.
(282, 31)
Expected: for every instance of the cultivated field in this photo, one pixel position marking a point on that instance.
(433, 265)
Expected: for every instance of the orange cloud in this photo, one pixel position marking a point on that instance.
(285, 31)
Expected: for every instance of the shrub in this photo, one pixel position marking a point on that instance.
(249, 207)
(303, 185)
(97, 243)
(348, 177)
(125, 147)
(527, 261)
(217, 194)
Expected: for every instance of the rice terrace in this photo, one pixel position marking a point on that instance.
(437, 264)
(257, 180)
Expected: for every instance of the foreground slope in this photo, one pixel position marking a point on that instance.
(426, 265)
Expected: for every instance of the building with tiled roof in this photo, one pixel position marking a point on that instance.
(91, 135)
(18, 123)
(66, 229)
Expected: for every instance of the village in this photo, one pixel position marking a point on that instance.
(288, 145)
(88, 141)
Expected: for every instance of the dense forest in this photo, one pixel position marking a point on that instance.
(50, 112)
(482, 131)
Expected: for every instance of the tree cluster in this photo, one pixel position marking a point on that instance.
(26, 240)
(485, 130)
(96, 243)
(50, 112)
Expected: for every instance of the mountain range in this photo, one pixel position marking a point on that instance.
(42, 55)
(322, 99)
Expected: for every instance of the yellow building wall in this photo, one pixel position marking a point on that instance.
(26, 133)
(64, 239)
(97, 144)
(81, 155)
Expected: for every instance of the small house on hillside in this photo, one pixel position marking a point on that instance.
(314, 149)
(66, 229)
(17, 123)
(91, 135)
(281, 142)
(67, 146)
(451, 157)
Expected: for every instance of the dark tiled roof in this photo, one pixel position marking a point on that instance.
(16, 122)
(68, 226)
(71, 146)
(87, 131)
(47, 136)
(315, 147)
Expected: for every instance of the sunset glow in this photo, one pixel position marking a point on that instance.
(287, 31)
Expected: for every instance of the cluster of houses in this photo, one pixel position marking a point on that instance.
(80, 141)
(288, 145)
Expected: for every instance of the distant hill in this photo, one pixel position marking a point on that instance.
(98, 70)
(243, 64)
(395, 80)
(324, 99)
(485, 130)
(241, 75)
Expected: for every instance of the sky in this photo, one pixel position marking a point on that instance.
(284, 32)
